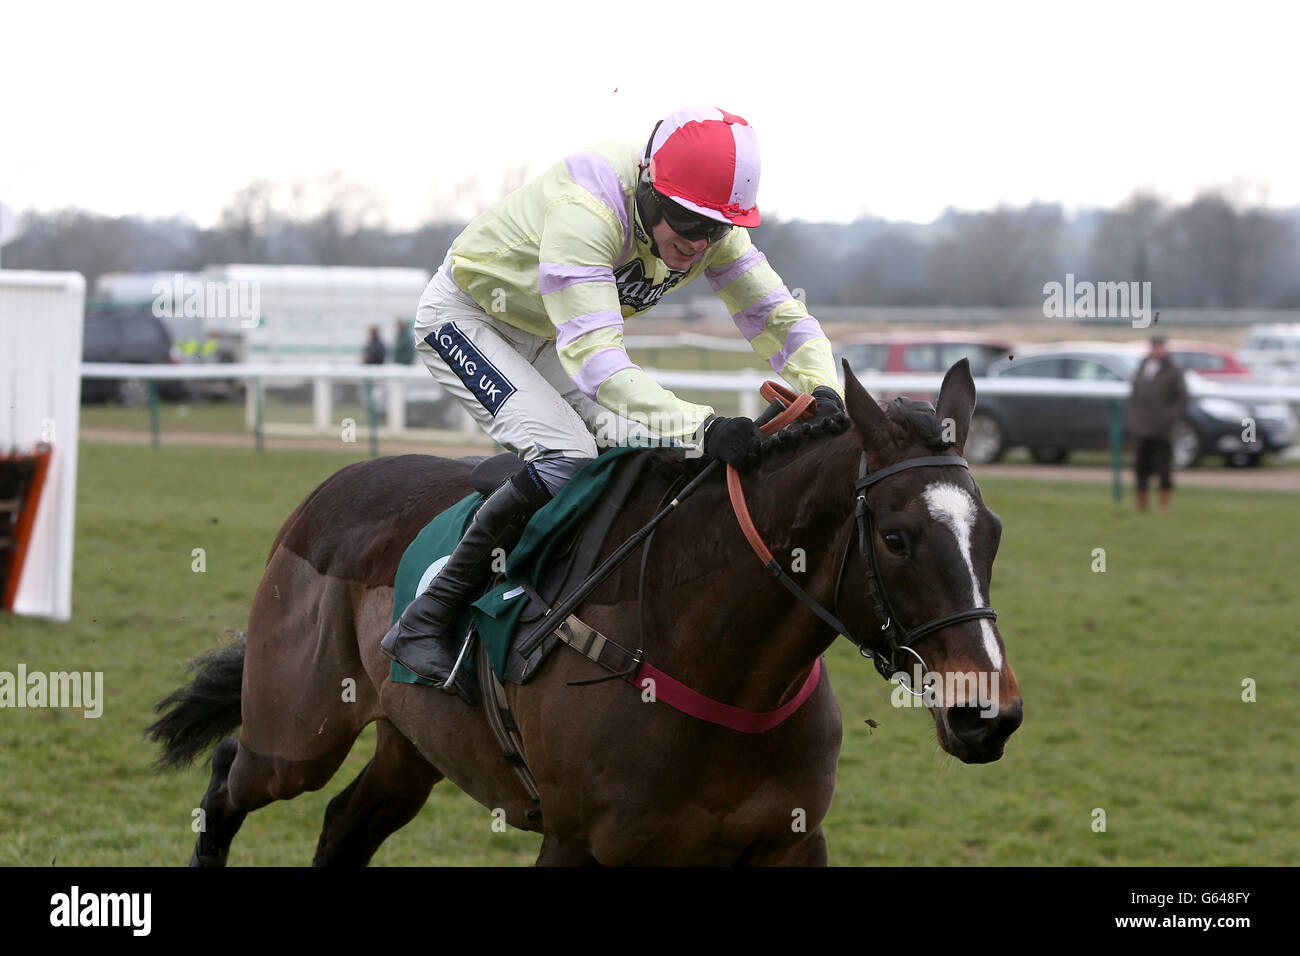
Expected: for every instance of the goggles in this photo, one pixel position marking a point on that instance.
(690, 226)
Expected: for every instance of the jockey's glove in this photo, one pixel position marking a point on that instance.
(736, 441)
(830, 416)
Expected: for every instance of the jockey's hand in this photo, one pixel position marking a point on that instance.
(830, 414)
(736, 441)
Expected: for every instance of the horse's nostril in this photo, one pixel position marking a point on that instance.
(975, 726)
(968, 723)
(1009, 719)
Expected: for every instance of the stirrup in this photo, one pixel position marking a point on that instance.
(453, 682)
(452, 685)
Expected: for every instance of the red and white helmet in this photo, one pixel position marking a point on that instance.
(706, 160)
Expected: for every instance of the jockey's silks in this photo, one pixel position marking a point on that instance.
(566, 257)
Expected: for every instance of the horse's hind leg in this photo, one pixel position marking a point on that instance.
(219, 822)
(242, 781)
(384, 797)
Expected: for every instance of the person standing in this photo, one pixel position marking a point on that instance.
(1154, 407)
(375, 352)
(404, 343)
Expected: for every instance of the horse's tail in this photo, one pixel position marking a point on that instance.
(206, 710)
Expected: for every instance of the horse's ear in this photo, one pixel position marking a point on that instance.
(955, 404)
(876, 432)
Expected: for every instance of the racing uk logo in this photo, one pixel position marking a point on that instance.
(480, 376)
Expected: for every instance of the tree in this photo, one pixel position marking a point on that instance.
(1000, 258)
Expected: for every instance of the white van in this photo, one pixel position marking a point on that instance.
(1272, 351)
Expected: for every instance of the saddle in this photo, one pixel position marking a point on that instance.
(572, 563)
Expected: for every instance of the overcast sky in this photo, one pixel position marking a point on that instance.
(897, 110)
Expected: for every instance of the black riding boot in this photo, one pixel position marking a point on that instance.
(425, 637)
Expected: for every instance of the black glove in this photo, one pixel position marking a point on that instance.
(737, 441)
(830, 414)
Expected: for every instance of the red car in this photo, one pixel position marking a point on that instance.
(920, 352)
(1208, 359)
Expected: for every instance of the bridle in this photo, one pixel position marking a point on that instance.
(900, 640)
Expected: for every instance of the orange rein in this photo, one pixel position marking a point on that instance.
(796, 407)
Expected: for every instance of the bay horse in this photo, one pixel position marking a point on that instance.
(622, 780)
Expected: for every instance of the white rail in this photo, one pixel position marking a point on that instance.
(743, 384)
(739, 382)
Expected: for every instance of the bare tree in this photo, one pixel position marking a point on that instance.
(1126, 240)
(999, 258)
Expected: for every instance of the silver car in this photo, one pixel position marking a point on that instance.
(1053, 426)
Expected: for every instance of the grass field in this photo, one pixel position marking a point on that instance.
(1132, 681)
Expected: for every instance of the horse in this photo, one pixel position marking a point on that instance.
(622, 780)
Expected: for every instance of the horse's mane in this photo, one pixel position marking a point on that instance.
(919, 420)
(919, 423)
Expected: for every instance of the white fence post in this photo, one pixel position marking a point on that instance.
(749, 396)
(396, 406)
(321, 402)
(467, 424)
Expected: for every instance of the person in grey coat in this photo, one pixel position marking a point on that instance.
(1154, 407)
(404, 343)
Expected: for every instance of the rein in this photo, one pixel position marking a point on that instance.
(631, 665)
(899, 638)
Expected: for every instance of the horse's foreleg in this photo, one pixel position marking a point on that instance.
(557, 852)
(219, 821)
(384, 797)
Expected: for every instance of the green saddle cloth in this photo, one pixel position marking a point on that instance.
(496, 614)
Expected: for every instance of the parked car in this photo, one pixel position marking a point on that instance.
(1272, 351)
(920, 352)
(196, 343)
(1208, 359)
(132, 336)
(1051, 427)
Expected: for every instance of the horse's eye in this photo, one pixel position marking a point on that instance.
(894, 542)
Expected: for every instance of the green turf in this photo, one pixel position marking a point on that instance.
(1132, 685)
(181, 418)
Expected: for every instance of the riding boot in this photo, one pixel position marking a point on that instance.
(425, 638)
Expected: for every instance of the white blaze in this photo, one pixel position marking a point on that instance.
(955, 509)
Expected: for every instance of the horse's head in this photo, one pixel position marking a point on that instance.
(934, 541)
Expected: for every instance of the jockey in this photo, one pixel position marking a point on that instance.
(523, 324)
